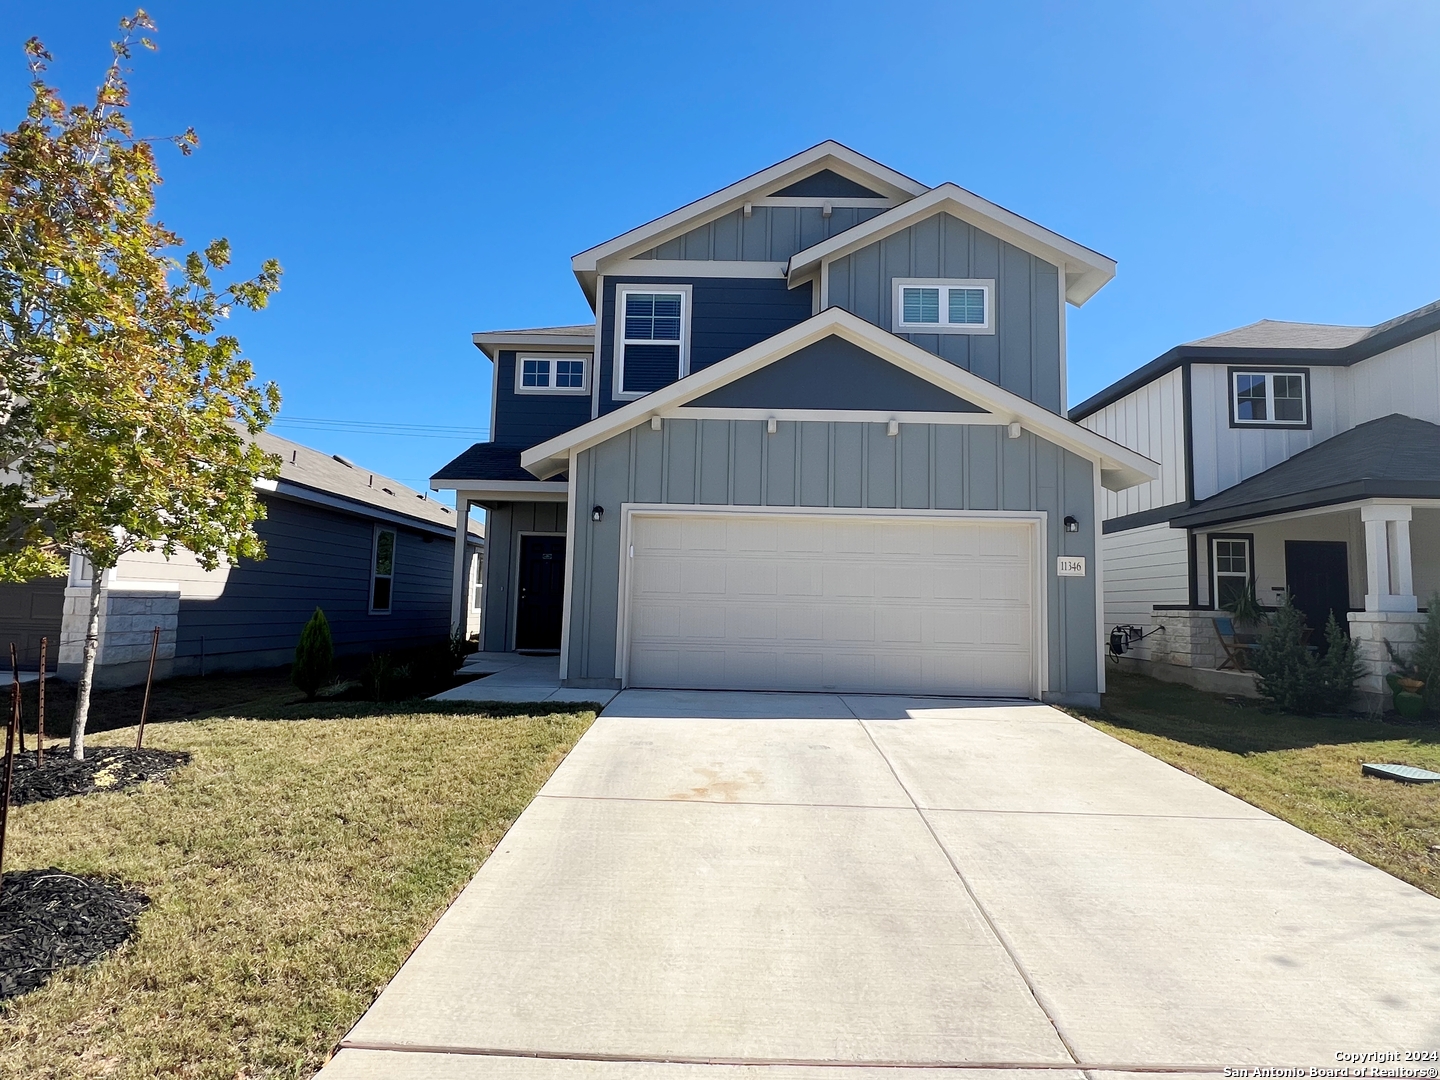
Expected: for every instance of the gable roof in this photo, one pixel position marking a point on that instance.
(1394, 457)
(1273, 342)
(311, 475)
(1120, 466)
(827, 156)
(1086, 271)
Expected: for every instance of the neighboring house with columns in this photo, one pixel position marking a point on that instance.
(1295, 457)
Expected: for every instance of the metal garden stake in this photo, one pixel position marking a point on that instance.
(40, 712)
(9, 770)
(145, 707)
(15, 671)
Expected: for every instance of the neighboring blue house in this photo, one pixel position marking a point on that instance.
(814, 440)
(377, 556)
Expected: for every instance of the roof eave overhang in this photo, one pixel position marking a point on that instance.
(587, 264)
(1086, 271)
(289, 489)
(1120, 467)
(492, 344)
(1333, 495)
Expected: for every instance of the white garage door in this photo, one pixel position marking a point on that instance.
(832, 602)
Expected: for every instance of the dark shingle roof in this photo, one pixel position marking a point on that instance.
(1396, 457)
(486, 461)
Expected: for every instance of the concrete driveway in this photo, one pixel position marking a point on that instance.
(718, 886)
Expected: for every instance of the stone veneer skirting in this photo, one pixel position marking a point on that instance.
(129, 613)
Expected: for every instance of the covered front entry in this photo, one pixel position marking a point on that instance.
(927, 602)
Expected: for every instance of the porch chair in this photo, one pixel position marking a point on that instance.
(1237, 652)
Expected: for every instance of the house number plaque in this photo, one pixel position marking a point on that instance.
(1070, 566)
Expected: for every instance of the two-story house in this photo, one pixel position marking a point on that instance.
(814, 439)
(1295, 458)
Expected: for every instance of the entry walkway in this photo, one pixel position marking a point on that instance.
(514, 677)
(796, 887)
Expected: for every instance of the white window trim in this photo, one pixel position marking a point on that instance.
(520, 359)
(1216, 574)
(1269, 376)
(617, 391)
(476, 583)
(394, 561)
(897, 307)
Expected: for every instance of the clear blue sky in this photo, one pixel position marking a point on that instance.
(426, 170)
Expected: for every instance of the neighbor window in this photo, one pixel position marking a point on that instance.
(1269, 398)
(1232, 570)
(477, 583)
(552, 374)
(382, 572)
(652, 339)
(961, 306)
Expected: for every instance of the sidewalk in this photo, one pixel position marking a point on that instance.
(513, 677)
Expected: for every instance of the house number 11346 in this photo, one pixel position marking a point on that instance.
(1070, 566)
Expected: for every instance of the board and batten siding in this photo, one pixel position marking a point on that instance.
(821, 464)
(1024, 353)
(1150, 421)
(504, 525)
(768, 234)
(250, 614)
(1144, 567)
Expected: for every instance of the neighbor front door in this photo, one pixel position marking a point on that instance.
(1317, 573)
(541, 598)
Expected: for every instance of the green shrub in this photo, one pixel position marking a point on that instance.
(1423, 660)
(384, 679)
(1246, 609)
(1293, 676)
(314, 656)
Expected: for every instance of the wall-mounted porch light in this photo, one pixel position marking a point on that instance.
(1071, 525)
(597, 513)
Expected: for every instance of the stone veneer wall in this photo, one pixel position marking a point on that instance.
(1369, 630)
(129, 613)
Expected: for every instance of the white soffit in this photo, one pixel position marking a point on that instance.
(1120, 466)
(1086, 271)
(827, 155)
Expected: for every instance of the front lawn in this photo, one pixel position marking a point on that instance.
(291, 868)
(1305, 770)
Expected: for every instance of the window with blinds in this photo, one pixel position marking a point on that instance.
(943, 307)
(652, 338)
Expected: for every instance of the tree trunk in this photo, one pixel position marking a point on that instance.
(87, 667)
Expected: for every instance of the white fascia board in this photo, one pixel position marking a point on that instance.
(626, 269)
(522, 490)
(828, 154)
(492, 344)
(1120, 466)
(1086, 271)
(285, 489)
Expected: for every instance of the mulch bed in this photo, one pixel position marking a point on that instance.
(105, 768)
(51, 920)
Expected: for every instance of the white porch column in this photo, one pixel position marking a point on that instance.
(459, 566)
(1389, 580)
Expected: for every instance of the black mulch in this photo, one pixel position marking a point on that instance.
(51, 920)
(105, 768)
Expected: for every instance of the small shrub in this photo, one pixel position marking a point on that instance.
(1294, 677)
(1246, 609)
(314, 656)
(1423, 660)
(383, 679)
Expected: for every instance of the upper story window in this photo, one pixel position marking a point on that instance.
(937, 306)
(1269, 398)
(567, 374)
(382, 571)
(652, 337)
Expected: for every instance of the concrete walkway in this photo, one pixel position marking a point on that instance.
(797, 887)
(513, 677)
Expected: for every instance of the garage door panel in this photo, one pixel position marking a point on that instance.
(900, 605)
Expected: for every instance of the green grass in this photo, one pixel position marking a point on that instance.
(1305, 770)
(292, 867)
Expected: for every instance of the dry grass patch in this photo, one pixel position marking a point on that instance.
(1305, 770)
(292, 866)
